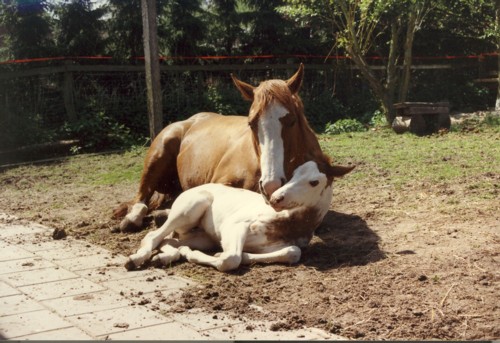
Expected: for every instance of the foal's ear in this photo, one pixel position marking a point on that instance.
(245, 89)
(295, 81)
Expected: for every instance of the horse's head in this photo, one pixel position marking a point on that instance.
(310, 185)
(276, 109)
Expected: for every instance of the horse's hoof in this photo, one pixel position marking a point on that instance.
(128, 226)
(115, 229)
(160, 217)
(130, 265)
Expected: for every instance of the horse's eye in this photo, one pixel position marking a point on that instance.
(314, 183)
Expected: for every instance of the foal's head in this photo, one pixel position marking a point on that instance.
(309, 186)
(276, 109)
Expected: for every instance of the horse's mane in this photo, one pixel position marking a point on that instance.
(274, 90)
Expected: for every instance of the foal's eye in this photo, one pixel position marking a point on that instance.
(314, 183)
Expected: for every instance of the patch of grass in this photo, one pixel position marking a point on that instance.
(385, 157)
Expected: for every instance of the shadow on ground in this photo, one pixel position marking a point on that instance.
(342, 240)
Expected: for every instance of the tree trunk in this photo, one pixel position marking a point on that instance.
(497, 104)
(408, 52)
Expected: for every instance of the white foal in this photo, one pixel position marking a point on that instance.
(239, 221)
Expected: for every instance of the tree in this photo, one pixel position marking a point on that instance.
(27, 26)
(125, 29)
(363, 27)
(184, 31)
(80, 28)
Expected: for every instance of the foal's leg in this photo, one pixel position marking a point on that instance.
(290, 254)
(198, 240)
(232, 241)
(185, 214)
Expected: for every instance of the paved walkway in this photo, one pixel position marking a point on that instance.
(72, 290)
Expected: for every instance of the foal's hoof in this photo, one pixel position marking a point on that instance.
(130, 265)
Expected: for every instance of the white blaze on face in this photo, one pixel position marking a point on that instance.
(271, 148)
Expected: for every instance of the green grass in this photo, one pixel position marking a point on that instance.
(382, 158)
(401, 159)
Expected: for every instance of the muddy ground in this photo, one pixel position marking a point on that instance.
(417, 262)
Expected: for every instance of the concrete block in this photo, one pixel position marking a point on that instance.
(168, 331)
(25, 264)
(58, 289)
(30, 323)
(33, 277)
(107, 322)
(17, 304)
(7, 290)
(67, 334)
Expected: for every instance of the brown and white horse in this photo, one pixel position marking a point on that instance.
(248, 229)
(258, 152)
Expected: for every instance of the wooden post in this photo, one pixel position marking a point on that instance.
(69, 102)
(152, 63)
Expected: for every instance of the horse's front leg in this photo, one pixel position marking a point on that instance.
(186, 212)
(158, 175)
(232, 241)
(289, 254)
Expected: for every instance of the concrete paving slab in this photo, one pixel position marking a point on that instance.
(30, 323)
(168, 331)
(48, 244)
(69, 251)
(202, 321)
(146, 285)
(107, 322)
(92, 261)
(67, 334)
(11, 252)
(33, 277)
(16, 232)
(70, 289)
(25, 264)
(7, 290)
(58, 289)
(102, 273)
(87, 303)
(17, 304)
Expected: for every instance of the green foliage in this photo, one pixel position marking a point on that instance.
(344, 126)
(80, 29)
(98, 132)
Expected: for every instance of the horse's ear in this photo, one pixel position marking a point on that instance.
(338, 171)
(245, 89)
(295, 81)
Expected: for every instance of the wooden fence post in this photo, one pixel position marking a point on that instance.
(152, 63)
(69, 101)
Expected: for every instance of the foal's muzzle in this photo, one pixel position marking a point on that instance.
(267, 188)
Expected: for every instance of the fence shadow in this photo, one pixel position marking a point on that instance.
(342, 239)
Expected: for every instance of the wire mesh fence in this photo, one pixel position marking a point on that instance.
(105, 105)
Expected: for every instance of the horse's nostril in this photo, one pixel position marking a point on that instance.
(283, 181)
(279, 199)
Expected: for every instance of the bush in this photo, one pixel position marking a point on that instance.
(98, 132)
(343, 126)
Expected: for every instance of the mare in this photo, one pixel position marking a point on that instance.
(248, 229)
(258, 152)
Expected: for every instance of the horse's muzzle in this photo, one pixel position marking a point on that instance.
(267, 188)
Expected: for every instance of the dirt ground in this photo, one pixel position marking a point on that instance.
(385, 264)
